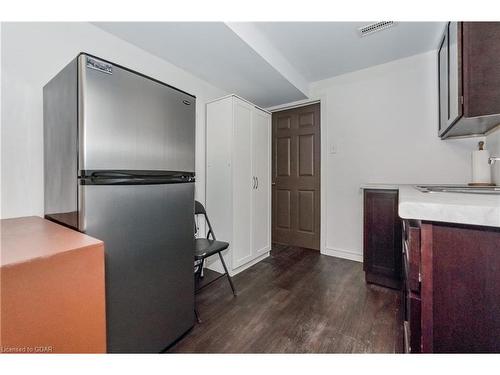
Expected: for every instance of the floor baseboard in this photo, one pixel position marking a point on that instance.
(344, 254)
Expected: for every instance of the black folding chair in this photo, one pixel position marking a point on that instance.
(206, 247)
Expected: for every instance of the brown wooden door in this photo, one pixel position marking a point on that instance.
(296, 177)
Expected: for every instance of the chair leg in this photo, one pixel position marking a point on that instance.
(199, 270)
(227, 274)
(197, 280)
(197, 316)
(198, 273)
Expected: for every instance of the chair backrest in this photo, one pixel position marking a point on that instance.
(199, 209)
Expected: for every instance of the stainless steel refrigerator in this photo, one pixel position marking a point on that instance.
(119, 159)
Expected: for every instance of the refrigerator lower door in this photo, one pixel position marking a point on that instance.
(148, 236)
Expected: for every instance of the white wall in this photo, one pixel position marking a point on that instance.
(32, 53)
(383, 123)
(493, 145)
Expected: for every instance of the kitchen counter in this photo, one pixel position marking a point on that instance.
(461, 208)
(472, 209)
(52, 287)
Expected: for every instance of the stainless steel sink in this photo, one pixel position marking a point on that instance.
(459, 189)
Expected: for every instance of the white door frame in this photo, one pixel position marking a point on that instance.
(322, 100)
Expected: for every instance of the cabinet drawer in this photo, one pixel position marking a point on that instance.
(411, 250)
(412, 323)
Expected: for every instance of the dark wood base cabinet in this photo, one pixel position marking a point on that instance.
(382, 238)
(451, 288)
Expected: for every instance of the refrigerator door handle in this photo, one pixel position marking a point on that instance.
(134, 174)
(111, 174)
(135, 180)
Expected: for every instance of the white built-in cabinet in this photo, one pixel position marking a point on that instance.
(238, 179)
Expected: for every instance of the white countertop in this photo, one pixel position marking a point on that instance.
(461, 208)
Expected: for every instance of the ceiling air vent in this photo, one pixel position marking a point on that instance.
(374, 27)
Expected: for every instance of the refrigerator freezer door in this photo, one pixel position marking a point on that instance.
(130, 122)
(148, 232)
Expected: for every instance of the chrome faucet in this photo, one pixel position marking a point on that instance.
(493, 159)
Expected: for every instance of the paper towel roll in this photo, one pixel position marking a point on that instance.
(481, 170)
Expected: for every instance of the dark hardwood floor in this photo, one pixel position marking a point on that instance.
(296, 301)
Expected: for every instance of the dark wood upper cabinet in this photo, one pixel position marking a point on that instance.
(382, 238)
(469, 78)
(443, 83)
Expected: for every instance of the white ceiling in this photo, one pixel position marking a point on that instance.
(213, 52)
(272, 63)
(320, 50)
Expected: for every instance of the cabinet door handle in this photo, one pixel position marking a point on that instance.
(257, 179)
(253, 182)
